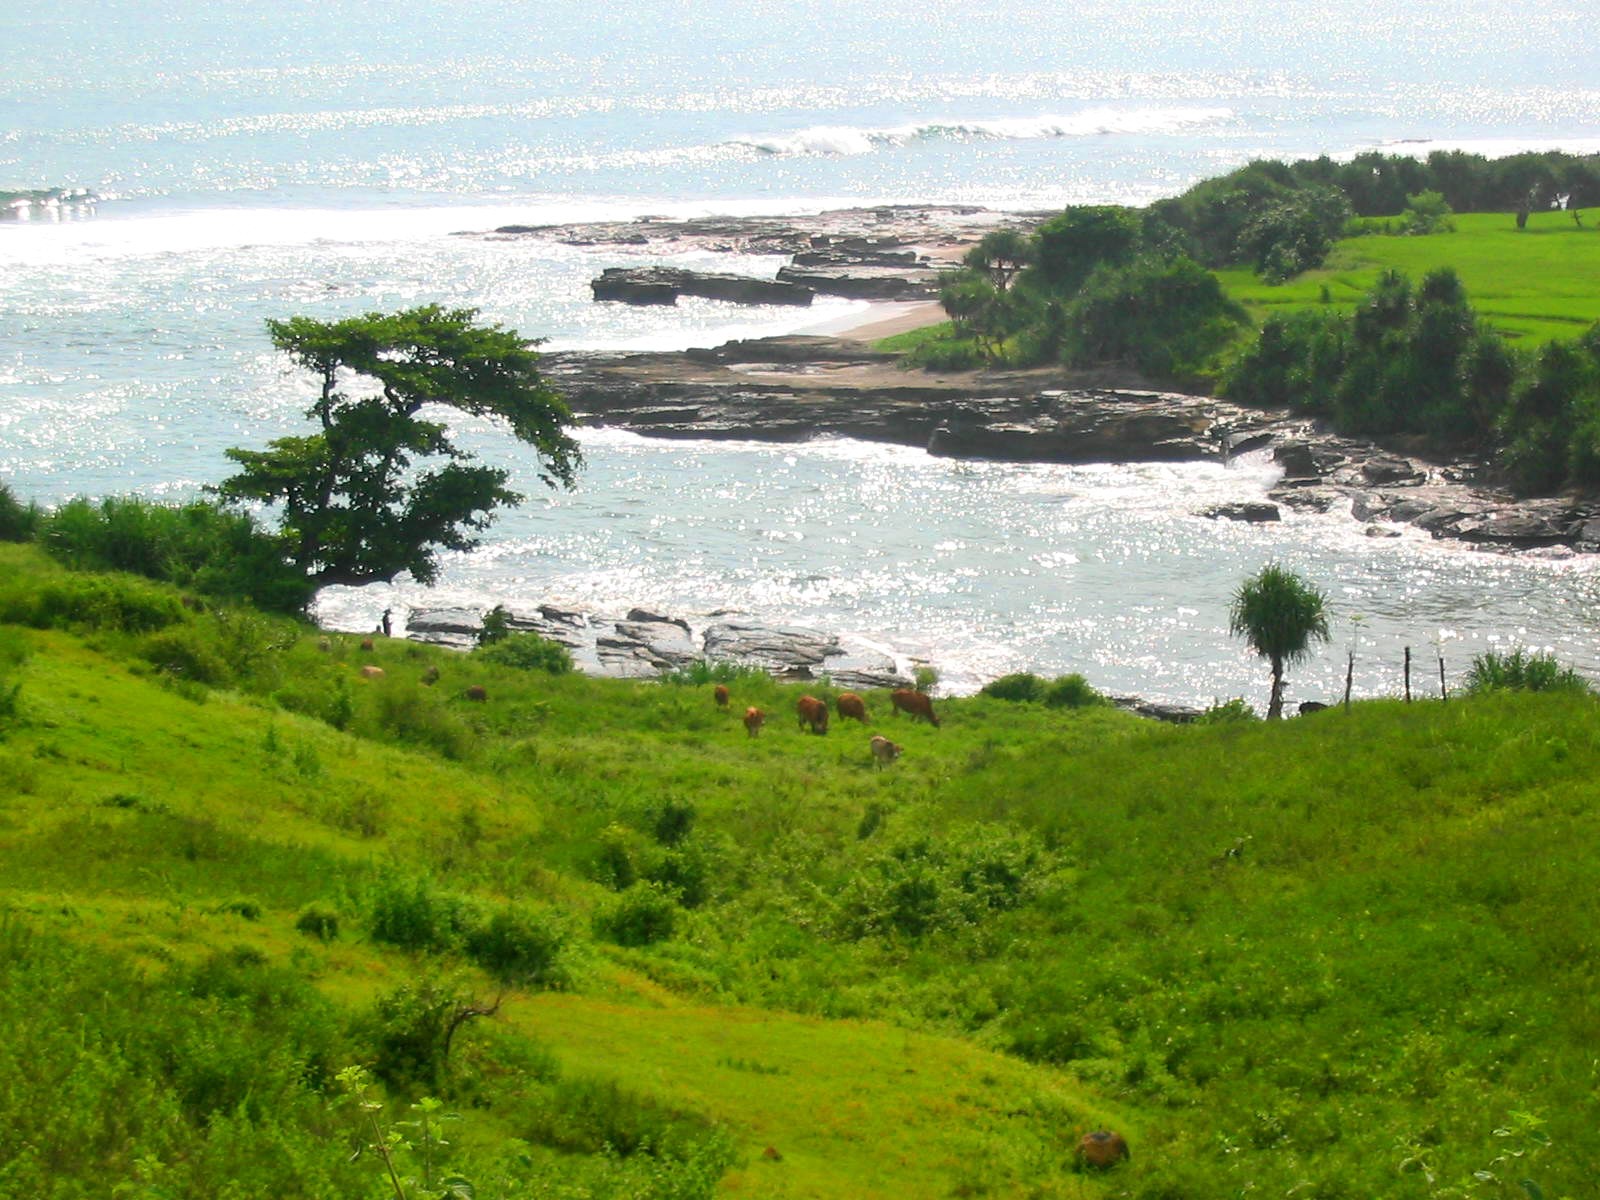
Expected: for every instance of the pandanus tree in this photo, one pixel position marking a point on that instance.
(1280, 615)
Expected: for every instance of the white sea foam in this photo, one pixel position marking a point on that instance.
(1090, 122)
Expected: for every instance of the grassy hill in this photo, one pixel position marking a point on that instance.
(1352, 955)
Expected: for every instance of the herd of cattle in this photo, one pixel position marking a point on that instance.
(813, 714)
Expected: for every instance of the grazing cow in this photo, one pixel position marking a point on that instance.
(476, 692)
(1311, 706)
(722, 696)
(813, 712)
(371, 672)
(884, 751)
(916, 703)
(431, 675)
(851, 705)
(754, 719)
(1101, 1149)
(366, 644)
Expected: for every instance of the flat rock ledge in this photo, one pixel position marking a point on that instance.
(645, 644)
(796, 388)
(663, 285)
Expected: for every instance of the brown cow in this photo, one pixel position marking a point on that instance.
(916, 703)
(851, 705)
(754, 719)
(884, 751)
(371, 672)
(722, 696)
(813, 712)
(366, 644)
(1101, 1149)
(477, 692)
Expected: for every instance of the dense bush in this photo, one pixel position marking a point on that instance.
(1525, 671)
(415, 916)
(1417, 361)
(200, 545)
(108, 602)
(318, 921)
(526, 652)
(18, 522)
(518, 946)
(643, 914)
(1166, 318)
(1072, 691)
(1020, 686)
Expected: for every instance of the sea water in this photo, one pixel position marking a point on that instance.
(257, 161)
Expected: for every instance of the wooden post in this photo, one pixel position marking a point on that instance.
(1349, 676)
(1443, 695)
(1408, 674)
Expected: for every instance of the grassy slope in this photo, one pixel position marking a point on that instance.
(1534, 285)
(1338, 954)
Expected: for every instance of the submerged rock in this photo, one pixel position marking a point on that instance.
(1253, 511)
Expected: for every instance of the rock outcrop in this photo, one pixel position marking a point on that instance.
(663, 285)
(645, 644)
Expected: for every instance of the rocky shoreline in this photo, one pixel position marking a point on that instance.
(789, 389)
(799, 387)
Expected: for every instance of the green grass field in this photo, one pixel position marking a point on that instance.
(1533, 285)
(1350, 955)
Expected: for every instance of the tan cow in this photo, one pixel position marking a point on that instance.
(884, 751)
(371, 672)
(754, 719)
(916, 703)
(813, 712)
(851, 705)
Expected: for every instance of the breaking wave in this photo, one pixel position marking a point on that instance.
(1091, 122)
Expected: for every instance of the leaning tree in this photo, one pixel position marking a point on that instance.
(1279, 615)
(380, 487)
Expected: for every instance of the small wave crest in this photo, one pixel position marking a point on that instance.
(1090, 122)
(47, 204)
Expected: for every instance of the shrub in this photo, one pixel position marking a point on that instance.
(414, 916)
(108, 602)
(1520, 670)
(1072, 691)
(403, 712)
(201, 545)
(241, 906)
(925, 678)
(18, 522)
(519, 947)
(674, 821)
(315, 920)
(185, 653)
(412, 1030)
(526, 652)
(1020, 686)
(1227, 712)
(685, 872)
(640, 916)
(615, 862)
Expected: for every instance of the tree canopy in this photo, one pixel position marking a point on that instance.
(1279, 615)
(379, 488)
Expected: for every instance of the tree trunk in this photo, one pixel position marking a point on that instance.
(1408, 674)
(1275, 702)
(1349, 678)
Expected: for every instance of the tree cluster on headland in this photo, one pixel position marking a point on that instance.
(1107, 285)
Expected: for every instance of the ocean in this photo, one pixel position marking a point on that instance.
(256, 161)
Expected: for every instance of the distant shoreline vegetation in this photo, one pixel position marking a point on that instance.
(1326, 249)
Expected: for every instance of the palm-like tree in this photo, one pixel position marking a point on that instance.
(1280, 615)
